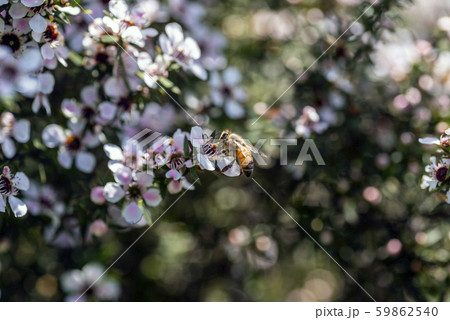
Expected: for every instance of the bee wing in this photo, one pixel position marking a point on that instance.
(252, 149)
(229, 166)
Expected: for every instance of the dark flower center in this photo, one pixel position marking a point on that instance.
(73, 143)
(180, 56)
(226, 91)
(134, 191)
(87, 112)
(11, 40)
(6, 186)
(101, 58)
(10, 72)
(40, 8)
(46, 203)
(441, 174)
(51, 33)
(124, 104)
(176, 162)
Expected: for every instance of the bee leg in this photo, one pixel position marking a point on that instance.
(228, 167)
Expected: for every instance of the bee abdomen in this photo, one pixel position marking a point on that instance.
(209, 149)
(248, 169)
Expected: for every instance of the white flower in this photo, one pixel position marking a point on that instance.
(42, 199)
(428, 183)
(131, 156)
(152, 69)
(90, 111)
(10, 128)
(212, 44)
(71, 145)
(54, 48)
(438, 173)
(76, 282)
(226, 92)
(18, 63)
(33, 9)
(309, 122)
(158, 118)
(46, 82)
(9, 186)
(202, 145)
(184, 50)
(189, 12)
(134, 187)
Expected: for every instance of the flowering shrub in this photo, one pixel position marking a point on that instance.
(113, 111)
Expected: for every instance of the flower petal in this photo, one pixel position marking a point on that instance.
(17, 206)
(174, 32)
(232, 76)
(53, 135)
(196, 136)
(46, 82)
(65, 159)
(2, 204)
(132, 213)
(89, 95)
(21, 131)
(430, 140)
(174, 187)
(199, 71)
(21, 181)
(115, 88)
(113, 152)
(123, 175)
(30, 60)
(17, 11)
(38, 24)
(32, 3)
(234, 110)
(205, 162)
(97, 195)
(107, 110)
(47, 52)
(144, 179)
(85, 162)
(173, 174)
(8, 148)
(113, 192)
(70, 108)
(152, 197)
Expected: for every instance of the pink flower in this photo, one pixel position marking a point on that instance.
(97, 195)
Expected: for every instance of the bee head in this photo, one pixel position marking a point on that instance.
(224, 134)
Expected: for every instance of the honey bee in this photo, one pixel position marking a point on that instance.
(234, 153)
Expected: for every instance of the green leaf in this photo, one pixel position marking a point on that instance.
(147, 213)
(109, 39)
(166, 83)
(186, 147)
(75, 58)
